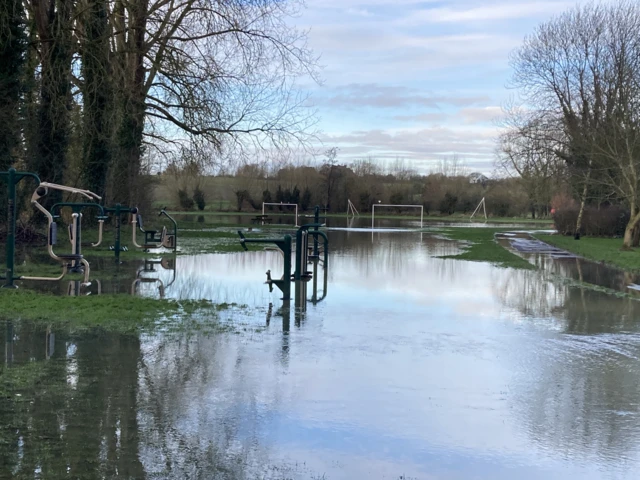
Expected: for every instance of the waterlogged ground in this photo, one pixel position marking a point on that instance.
(403, 365)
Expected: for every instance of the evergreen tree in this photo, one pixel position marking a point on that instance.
(13, 46)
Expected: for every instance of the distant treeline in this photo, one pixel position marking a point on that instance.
(331, 185)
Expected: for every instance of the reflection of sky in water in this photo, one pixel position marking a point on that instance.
(412, 366)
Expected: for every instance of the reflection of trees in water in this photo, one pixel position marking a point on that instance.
(528, 292)
(201, 406)
(578, 392)
(390, 254)
(581, 310)
(586, 271)
(580, 396)
(187, 407)
(82, 417)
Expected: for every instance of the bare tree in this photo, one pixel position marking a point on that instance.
(528, 149)
(582, 68)
(219, 70)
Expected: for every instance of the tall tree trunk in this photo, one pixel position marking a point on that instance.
(127, 165)
(54, 31)
(632, 225)
(583, 201)
(97, 98)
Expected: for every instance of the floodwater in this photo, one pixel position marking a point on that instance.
(287, 220)
(404, 365)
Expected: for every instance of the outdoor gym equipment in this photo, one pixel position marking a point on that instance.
(304, 254)
(153, 238)
(76, 225)
(373, 211)
(165, 239)
(13, 177)
(284, 244)
(75, 258)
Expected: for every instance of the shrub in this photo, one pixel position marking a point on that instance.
(199, 198)
(186, 202)
(305, 201)
(598, 222)
(448, 203)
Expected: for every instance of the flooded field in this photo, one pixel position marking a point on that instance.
(399, 364)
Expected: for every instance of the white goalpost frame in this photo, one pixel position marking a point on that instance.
(282, 205)
(373, 211)
(351, 209)
(484, 207)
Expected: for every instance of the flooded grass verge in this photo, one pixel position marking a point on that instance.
(116, 313)
(606, 250)
(480, 246)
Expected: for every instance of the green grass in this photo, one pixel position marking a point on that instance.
(607, 250)
(118, 313)
(480, 246)
(456, 218)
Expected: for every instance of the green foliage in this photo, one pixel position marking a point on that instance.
(241, 196)
(53, 125)
(266, 196)
(448, 203)
(295, 195)
(199, 198)
(305, 201)
(185, 200)
(13, 45)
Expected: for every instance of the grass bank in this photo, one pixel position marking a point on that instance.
(479, 245)
(606, 250)
(117, 313)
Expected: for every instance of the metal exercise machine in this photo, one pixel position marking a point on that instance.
(13, 177)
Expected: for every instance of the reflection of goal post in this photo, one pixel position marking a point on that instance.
(373, 211)
(282, 205)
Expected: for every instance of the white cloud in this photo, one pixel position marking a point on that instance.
(382, 96)
(423, 146)
(496, 11)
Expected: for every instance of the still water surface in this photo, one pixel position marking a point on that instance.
(411, 367)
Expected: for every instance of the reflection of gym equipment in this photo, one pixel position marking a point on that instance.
(148, 267)
(49, 344)
(76, 288)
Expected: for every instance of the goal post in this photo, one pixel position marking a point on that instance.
(373, 212)
(281, 205)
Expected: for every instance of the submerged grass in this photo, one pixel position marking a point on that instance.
(606, 250)
(480, 246)
(118, 313)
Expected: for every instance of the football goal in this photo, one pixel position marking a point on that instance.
(264, 204)
(373, 211)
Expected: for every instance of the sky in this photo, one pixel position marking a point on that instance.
(417, 80)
